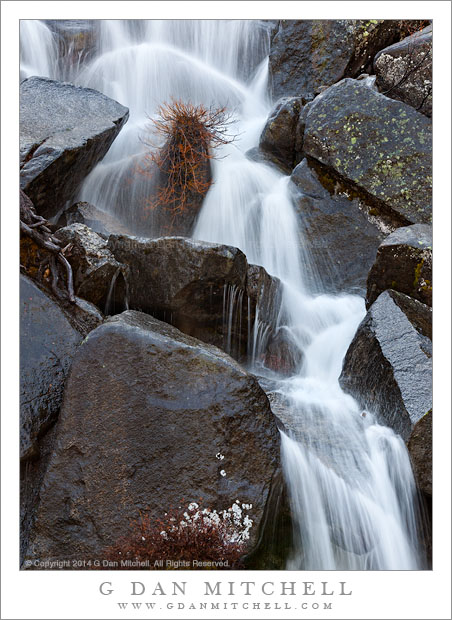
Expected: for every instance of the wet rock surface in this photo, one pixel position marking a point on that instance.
(98, 276)
(420, 449)
(388, 366)
(279, 134)
(380, 146)
(404, 70)
(306, 55)
(47, 345)
(403, 263)
(143, 400)
(64, 131)
(337, 235)
(193, 285)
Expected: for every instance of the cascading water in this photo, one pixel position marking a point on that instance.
(351, 487)
(38, 50)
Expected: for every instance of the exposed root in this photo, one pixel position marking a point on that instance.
(36, 228)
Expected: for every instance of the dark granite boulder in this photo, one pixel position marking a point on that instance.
(279, 134)
(403, 263)
(307, 55)
(339, 238)
(64, 131)
(198, 287)
(404, 70)
(380, 146)
(147, 411)
(388, 366)
(47, 345)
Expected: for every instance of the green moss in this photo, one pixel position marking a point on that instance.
(417, 272)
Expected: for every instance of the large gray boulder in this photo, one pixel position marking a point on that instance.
(198, 287)
(307, 55)
(339, 237)
(47, 345)
(50, 334)
(403, 263)
(404, 70)
(207, 290)
(64, 131)
(380, 146)
(388, 366)
(147, 412)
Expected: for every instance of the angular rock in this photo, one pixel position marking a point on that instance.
(338, 237)
(420, 449)
(198, 287)
(279, 134)
(404, 71)
(306, 55)
(388, 366)
(262, 157)
(265, 291)
(64, 131)
(146, 411)
(403, 263)
(101, 222)
(270, 340)
(98, 276)
(49, 328)
(380, 146)
(47, 345)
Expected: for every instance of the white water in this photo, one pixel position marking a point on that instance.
(352, 490)
(38, 50)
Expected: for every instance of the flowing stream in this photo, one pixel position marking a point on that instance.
(351, 486)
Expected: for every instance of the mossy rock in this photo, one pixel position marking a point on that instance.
(381, 146)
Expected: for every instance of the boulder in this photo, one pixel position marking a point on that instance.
(64, 131)
(50, 333)
(198, 287)
(279, 133)
(403, 263)
(98, 276)
(206, 290)
(306, 55)
(147, 411)
(404, 71)
(337, 234)
(420, 449)
(270, 341)
(101, 222)
(388, 366)
(47, 345)
(380, 146)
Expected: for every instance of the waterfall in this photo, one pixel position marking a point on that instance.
(351, 487)
(38, 50)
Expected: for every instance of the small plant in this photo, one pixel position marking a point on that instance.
(188, 135)
(184, 538)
